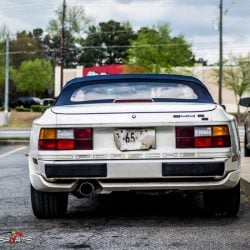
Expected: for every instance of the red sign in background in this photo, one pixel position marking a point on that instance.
(110, 70)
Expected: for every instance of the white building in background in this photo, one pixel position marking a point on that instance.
(68, 74)
(205, 73)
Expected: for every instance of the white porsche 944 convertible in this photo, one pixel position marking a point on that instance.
(136, 132)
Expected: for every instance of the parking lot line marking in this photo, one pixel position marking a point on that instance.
(12, 152)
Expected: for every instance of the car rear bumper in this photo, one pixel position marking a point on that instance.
(137, 175)
(229, 181)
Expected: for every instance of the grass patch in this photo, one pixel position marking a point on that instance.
(22, 119)
(39, 108)
(22, 109)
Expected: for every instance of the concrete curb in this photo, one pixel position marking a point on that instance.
(245, 176)
(14, 141)
(11, 136)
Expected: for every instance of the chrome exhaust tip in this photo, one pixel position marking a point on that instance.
(87, 189)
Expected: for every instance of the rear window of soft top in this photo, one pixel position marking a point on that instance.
(158, 91)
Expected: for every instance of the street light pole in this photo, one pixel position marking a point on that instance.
(6, 94)
(220, 52)
(62, 42)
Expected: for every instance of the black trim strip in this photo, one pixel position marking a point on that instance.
(193, 169)
(75, 170)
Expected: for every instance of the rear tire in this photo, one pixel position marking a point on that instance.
(246, 150)
(48, 205)
(223, 202)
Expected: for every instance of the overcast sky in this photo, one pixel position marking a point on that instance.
(196, 19)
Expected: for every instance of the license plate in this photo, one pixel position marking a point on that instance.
(134, 139)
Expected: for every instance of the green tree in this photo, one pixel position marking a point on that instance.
(92, 52)
(23, 47)
(75, 24)
(39, 36)
(51, 46)
(12, 89)
(156, 51)
(34, 76)
(236, 77)
(2, 55)
(108, 43)
(76, 21)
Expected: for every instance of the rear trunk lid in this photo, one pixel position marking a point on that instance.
(132, 114)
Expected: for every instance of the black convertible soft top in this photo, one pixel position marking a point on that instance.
(65, 97)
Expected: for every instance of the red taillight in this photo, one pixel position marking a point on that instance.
(184, 142)
(83, 138)
(47, 144)
(221, 141)
(184, 131)
(83, 133)
(203, 142)
(83, 144)
(65, 144)
(202, 137)
(66, 139)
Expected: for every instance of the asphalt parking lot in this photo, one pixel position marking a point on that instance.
(119, 221)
